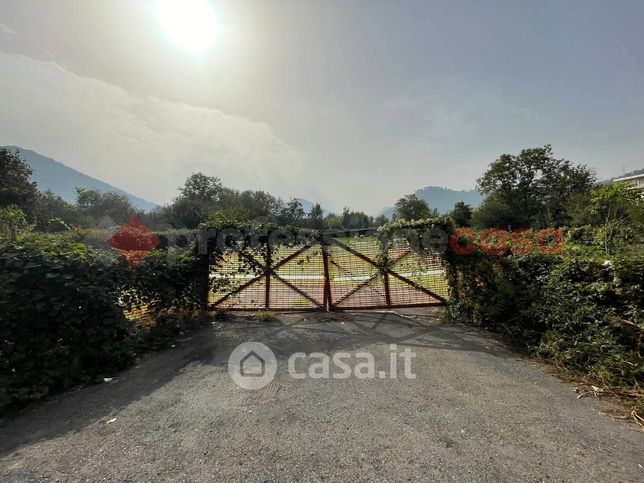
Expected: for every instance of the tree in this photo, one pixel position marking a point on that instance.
(293, 213)
(51, 212)
(535, 187)
(617, 205)
(461, 214)
(199, 187)
(316, 217)
(12, 222)
(411, 207)
(380, 220)
(98, 205)
(352, 220)
(199, 196)
(333, 221)
(16, 187)
(495, 212)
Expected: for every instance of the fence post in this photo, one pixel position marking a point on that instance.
(328, 303)
(267, 301)
(203, 254)
(384, 252)
(387, 291)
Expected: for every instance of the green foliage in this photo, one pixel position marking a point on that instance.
(203, 196)
(12, 222)
(68, 312)
(53, 214)
(620, 238)
(166, 281)
(530, 190)
(60, 319)
(292, 213)
(316, 217)
(352, 220)
(618, 207)
(583, 312)
(495, 212)
(16, 187)
(461, 214)
(411, 207)
(498, 293)
(594, 311)
(99, 206)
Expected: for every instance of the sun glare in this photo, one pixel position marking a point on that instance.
(189, 23)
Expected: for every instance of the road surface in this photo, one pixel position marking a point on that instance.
(474, 412)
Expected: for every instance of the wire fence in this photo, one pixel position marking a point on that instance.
(337, 274)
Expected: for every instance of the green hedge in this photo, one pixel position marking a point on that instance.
(63, 310)
(584, 313)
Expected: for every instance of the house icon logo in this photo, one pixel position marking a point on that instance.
(252, 365)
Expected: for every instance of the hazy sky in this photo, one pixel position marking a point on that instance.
(346, 102)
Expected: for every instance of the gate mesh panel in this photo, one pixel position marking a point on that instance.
(297, 281)
(305, 272)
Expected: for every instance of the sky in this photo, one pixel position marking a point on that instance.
(347, 102)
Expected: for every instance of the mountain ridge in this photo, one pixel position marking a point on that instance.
(50, 174)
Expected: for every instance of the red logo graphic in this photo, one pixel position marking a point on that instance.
(134, 241)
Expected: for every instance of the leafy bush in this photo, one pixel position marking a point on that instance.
(12, 222)
(69, 314)
(584, 313)
(60, 319)
(594, 312)
(498, 293)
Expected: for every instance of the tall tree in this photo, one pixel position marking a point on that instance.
(380, 220)
(535, 186)
(316, 217)
(16, 187)
(618, 206)
(352, 220)
(293, 213)
(51, 212)
(199, 187)
(98, 205)
(411, 207)
(461, 214)
(199, 196)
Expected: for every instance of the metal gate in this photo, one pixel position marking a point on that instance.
(335, 273)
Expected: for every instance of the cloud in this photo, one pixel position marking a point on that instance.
(145, 145)
(6, 30)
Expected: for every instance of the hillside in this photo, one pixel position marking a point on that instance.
(443, 199)
(49, 174)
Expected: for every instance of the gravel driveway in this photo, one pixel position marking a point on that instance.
(474, 412)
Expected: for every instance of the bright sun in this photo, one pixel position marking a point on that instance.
(190, 23)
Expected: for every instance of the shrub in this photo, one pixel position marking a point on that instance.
(498, 293)
(60, 319)
(12, 222)
(593, 310)
(68, 312)
(583, 312)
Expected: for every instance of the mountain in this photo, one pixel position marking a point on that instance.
(49, 174)
(443, 199)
